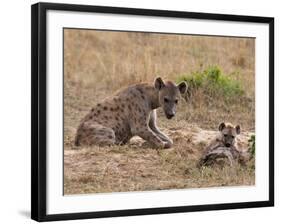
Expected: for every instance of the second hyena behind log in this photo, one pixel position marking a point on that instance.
(131, 112)
(223, 146)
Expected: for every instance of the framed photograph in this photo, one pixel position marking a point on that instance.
(140, 111)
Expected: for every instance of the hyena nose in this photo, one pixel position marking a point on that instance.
(227, 145)
(170, 115)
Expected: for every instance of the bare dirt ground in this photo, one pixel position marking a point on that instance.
(98, 63)
(136, 167)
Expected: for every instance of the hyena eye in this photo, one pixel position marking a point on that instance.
(166, 100)
(176, 101)
(225, 135)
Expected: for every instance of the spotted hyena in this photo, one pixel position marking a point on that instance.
(131, 112)
(223, 146)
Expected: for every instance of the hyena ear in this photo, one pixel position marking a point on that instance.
(158, 83)
(183, 87)
(238, 129)
(222, 126)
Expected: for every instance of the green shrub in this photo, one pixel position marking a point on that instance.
(213, 82)
(252, 145)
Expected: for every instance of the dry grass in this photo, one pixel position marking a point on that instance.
(98, 63)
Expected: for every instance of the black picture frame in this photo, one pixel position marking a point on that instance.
(39, 107)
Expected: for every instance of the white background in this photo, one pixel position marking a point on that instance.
(15, 110)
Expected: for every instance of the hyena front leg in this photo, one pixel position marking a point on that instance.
(148, 135)
(154, 128)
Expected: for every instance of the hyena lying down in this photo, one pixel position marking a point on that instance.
(223, 146)
(131, 112)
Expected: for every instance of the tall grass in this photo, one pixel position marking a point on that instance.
(117, 59)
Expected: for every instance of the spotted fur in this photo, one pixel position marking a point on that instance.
(131, 112)
(223, 146)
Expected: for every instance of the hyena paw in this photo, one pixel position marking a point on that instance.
(168, 144)
(170, 141)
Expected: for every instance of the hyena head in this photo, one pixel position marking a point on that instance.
(228, 133)
(169, 94)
